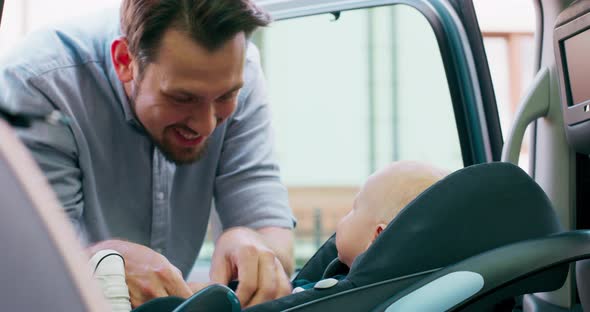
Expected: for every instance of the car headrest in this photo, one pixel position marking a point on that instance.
(572, 47)
(473, 210)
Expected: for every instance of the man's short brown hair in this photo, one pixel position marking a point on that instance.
(209, 22)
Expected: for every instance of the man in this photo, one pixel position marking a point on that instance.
(168, 113)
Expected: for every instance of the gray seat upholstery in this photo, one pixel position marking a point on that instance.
(43, 267)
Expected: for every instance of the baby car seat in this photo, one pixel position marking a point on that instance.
(469, 212)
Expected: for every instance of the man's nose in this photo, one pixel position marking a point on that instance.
(203, 119)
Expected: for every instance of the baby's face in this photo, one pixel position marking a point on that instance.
(355, 231)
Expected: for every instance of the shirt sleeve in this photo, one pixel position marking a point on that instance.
(248, 189)
(52, 146)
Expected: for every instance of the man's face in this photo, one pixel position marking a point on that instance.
(187, 92)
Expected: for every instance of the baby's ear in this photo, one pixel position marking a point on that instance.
(378, 229)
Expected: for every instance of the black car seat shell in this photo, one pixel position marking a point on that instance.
(471, 211)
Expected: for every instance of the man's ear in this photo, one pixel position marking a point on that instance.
(122, 59)
(380, 227)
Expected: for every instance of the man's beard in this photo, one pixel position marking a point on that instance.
(167, 148)
(188, 155)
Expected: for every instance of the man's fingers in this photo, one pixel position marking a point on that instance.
(244, 253)
(281, 285)
(220, 272)
(179, 289)
(267, 279)
(247, 266)
(173, 282)
(141, 291)
(284, 284)
(197, 286)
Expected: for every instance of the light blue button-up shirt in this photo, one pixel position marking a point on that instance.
(111, 179)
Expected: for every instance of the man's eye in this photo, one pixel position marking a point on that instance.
(228, 97)
(181, 99)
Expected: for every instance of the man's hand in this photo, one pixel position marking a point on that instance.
(242, 253)
(197, 286)
(148, 274)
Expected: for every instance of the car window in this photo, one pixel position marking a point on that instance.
(349, 94)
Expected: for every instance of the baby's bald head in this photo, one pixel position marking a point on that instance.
(390, 189)
(384, 194)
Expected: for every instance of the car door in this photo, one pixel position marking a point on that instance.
(354, 85)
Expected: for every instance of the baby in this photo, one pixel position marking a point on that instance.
(380, 199)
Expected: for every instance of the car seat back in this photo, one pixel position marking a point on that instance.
(43, 266)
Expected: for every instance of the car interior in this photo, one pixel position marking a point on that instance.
(489, 237)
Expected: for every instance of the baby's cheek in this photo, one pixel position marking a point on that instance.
(340, 244)
(339, 237)
(347, 251)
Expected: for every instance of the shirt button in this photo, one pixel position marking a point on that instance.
(160, 195)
